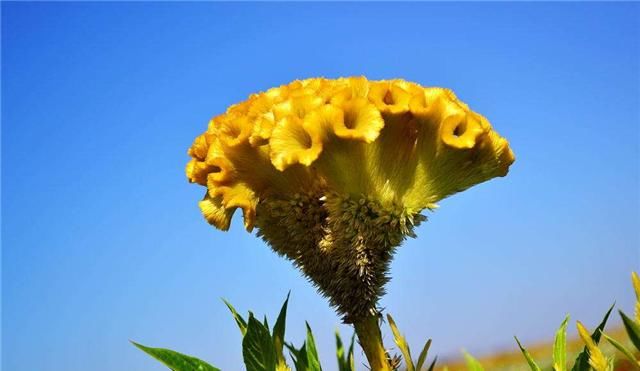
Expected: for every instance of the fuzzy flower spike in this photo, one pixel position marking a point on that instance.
(334, 174)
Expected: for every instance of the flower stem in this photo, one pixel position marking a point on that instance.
(370, 339)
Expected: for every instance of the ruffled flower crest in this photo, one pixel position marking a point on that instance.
(334, 173)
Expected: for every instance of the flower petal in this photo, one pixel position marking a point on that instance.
(215, 213)
(292, 143)
(361, 120)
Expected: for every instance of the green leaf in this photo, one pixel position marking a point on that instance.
(351, 358)
(346, 361)
(401, 342)
(257, 347)
(278, 331)
(313, 360)
(423, 355)
(560, 347)
(623, 350)
(242, 324)
(633, 329)
(472, 363)
(342, 359)
(299, 356)
(265, 322)
(582, 361)
(433, 364)
(527, 356)
(176, 361)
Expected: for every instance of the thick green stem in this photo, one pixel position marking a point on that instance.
(370, 339)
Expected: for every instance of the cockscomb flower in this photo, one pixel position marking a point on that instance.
(335, 172)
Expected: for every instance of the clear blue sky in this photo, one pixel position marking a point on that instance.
(102, 239)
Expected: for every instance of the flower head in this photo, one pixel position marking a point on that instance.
(334, 173)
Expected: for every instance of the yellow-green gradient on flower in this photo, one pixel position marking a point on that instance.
(334, 173)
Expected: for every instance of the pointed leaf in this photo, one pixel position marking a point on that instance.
(560, 347)
(303, 359)
(313, 360)
(633, 329)
(279, 329)
(582, 361)
(265, 322)
(350, 356)
(299, 356)
(176, 361)
(472, 363)
(423, 355)
(433, 364)
(342, 361)
(532, 364)
(622, 349)
(292, 349)
(257, 347)
(401, 342)
(242, 324)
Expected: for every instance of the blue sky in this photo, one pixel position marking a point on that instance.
(102, 239)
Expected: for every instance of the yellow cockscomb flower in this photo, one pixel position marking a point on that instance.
(334, 173)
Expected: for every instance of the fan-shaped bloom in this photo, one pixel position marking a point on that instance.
(334, 173)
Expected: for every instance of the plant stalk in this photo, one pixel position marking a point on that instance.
(370, 339)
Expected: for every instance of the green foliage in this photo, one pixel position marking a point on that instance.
(423, 355)
(278, 333)
(402, 344)
(622, 349)
(299, 356)
(633, 329)
(176, 361)
(582, 361)
(262, 349)
(306, 358)
(560, 347)
(313, 360)
(346, 361)
(242, 324)
(532, 364)
(258, 350)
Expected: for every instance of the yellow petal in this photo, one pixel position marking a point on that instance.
(199, 148)
(297, 106)
(461, 129)
(197, 171)
(221, 172)
(348, 89)
(430, 104)
(234, 130)
(215, 213)
(360, 120)
(389, 97)
(238, 196)
(292, 143)
(262, 129)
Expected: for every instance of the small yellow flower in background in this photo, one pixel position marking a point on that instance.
(597, 360)
(334, 173)
(636, 287)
